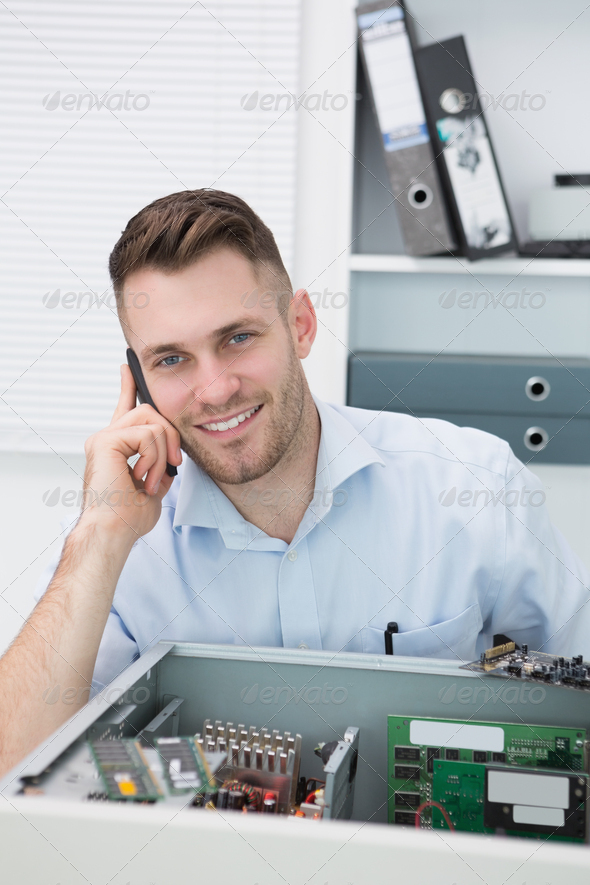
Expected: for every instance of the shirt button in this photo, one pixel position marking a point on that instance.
(303, 645)
(292, 555)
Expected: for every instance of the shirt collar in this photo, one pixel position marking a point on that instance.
(342, 453)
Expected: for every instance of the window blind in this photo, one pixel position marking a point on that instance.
(106, 107)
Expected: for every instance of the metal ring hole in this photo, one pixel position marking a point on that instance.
(536, 439)
(537, 388)
(452, 101)
(420, 196)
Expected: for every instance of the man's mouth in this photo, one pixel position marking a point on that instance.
(231, 423)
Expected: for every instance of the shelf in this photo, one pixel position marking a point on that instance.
(538, 267)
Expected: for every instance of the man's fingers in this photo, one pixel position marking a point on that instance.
(164, 486)
(123, 443)
(147, 415)
(127, 415)
(152, 460)
(127, 396)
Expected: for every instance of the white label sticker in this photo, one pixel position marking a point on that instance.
(516, 788)
(543, 817)
(455, 734)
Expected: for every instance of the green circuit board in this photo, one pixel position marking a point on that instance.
(454, 775)
(128, 776)
(185, 767)
(124, 771)
(460, 788)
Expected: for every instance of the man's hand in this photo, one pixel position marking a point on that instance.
(58, 645)
(115, 496)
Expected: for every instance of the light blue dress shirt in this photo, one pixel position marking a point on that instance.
(417, 521)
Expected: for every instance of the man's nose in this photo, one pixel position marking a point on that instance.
(215, 383)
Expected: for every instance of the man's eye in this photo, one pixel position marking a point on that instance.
(171, 360)
(240, 338)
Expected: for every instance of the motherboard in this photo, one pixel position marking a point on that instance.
(224, 767)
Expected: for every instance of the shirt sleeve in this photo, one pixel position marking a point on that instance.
(544, 596)
(118, 648)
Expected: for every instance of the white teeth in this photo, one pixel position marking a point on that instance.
(233, 422)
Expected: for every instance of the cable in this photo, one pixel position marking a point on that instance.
(313, 780)
(431, 804)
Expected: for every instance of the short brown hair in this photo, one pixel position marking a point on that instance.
(175, 231)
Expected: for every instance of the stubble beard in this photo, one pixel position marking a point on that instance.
(241, 464)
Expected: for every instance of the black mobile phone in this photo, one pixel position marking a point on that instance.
(143, 394)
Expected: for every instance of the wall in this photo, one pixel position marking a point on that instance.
(30, 526)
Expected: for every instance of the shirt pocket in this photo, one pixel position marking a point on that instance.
(454, 639)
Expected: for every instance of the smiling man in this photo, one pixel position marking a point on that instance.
(291, 522)
(232, 382)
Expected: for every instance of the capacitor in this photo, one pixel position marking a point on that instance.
(236, 800)
(222, 795)
(269, 806)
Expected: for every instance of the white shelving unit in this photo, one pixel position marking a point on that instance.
(538, 267)
(401, 298)
(531, 147)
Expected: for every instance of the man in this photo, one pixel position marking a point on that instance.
(291, 522)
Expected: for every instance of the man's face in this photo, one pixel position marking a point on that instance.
(220, 362)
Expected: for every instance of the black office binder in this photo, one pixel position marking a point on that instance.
(465, 157)
(387, 57)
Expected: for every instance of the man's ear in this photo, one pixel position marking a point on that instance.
(302, 322)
